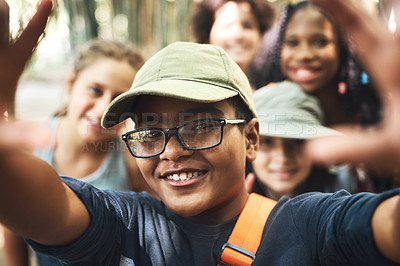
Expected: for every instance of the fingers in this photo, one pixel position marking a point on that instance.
(361, 28)
(28, 39)
(4, 24)
(372, 41)
(336, 150)
(374, 149)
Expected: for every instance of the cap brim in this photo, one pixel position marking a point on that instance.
(121, 107)
(317, 132)
(293, 126)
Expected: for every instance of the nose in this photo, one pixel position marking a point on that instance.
(282, 153)
(101, 104)
(305, 52)
(174, 150)
(238, 31)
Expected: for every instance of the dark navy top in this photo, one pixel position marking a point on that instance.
(129, 228)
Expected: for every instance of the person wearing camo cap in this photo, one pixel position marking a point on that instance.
(288, 118)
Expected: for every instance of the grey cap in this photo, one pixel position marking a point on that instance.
(286, 111)
(186, 71)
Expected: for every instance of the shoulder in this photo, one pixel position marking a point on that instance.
(319, 211)
(333, 228)
(120, 202)
(340, 200)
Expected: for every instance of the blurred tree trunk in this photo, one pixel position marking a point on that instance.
(152, 24)
(83, 24)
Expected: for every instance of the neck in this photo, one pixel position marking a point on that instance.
(276, 195)
(227, 210)
(68, 137)
(332, 107)
(76, 157)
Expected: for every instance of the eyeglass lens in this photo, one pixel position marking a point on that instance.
(195, 135)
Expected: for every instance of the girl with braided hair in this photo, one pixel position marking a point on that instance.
(305, 46)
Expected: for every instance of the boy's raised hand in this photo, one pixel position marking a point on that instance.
(379, 51)
(14, 55)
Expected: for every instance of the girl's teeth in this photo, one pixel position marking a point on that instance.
(304, 73)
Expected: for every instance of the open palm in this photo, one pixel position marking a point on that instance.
(14, 55)
(379, 51)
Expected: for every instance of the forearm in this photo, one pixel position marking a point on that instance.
(15, 249)
(32, 197)
(386, 228)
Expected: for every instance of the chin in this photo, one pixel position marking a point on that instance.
(185, 211)
(308, 88)
(283, 189)
(187, 206)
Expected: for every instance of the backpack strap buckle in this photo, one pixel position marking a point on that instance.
(245, 238)
(234, 251)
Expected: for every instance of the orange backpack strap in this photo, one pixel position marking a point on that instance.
(246, 236)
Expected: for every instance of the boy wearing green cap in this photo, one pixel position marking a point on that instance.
(195, 128)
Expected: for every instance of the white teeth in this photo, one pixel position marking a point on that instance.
(183, 176)
(301, 73)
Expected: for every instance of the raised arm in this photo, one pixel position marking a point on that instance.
(386, 228)
(379, 51)
(33, 201)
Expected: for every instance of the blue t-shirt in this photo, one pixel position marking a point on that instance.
(111, 174)
(129, 228)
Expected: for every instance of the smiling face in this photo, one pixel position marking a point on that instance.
(211, 186)
(310, 50)
(281, 165)
(91, 92)
(236, 30)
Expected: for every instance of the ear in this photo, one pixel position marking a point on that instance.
(252, 135)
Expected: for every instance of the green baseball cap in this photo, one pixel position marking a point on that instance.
(186, 71)
(286, 111)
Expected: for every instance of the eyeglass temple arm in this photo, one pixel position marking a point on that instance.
(234, 121)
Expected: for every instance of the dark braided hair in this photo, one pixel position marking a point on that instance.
(266, 68)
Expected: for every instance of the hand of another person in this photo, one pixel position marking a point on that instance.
(14, 55)
(379, 51)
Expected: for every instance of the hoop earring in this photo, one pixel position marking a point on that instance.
(342, 87)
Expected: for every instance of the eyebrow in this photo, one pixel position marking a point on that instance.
(205, 109)
(314, 35)
(191, 112)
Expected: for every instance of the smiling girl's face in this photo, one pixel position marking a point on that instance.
(310, 50)
(91, 91)
(281, 165)
(237, 31)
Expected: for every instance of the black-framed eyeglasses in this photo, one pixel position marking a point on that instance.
(195, 135)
